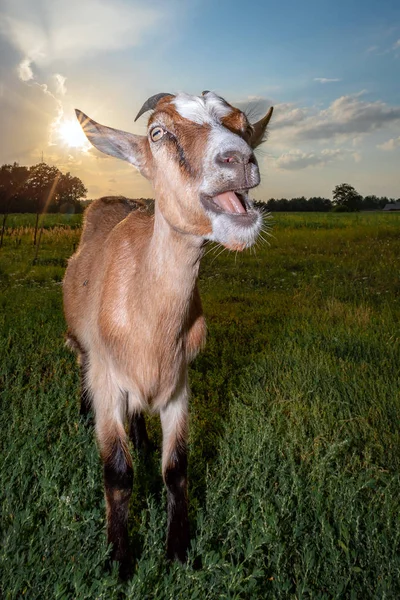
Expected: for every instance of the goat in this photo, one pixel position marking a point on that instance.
(131, 299)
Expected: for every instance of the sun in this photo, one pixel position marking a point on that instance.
(72, 135)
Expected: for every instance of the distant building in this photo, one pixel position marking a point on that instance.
(392, 206)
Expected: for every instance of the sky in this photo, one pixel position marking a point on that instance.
(330, 69)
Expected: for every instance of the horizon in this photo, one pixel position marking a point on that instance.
(336, 105)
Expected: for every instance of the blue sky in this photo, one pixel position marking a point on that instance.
(332, 71)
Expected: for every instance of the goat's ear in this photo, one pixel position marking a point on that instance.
(121, 144)
(259, 130)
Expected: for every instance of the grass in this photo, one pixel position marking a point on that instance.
(295, 442)
(15, 221)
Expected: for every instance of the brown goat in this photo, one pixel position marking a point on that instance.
(130, 291)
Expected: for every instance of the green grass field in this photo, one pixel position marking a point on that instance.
(294, 459)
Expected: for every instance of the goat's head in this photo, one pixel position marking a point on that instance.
(198, 154)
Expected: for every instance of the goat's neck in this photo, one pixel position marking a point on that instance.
(173, 259)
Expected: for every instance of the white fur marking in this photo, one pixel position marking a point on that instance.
(173, 421)
(226, 231)
(201, 109)
(226, 228)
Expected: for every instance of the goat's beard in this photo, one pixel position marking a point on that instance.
(236, 224)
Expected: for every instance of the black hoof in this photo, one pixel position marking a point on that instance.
(125, 567)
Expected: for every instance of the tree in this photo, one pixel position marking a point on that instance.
(345, 196)
(69, 191)
(271, 204)
(12, 181)
(297, 204)
(260, 205)
(371, 203)
(41, 187)
(319, 204)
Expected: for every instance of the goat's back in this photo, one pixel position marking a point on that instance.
(105, 213)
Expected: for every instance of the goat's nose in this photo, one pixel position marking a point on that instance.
(235, 157)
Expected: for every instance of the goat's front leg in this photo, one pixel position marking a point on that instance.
(174, 421)
(118, 480)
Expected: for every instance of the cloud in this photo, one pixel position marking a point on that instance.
(287, 115)
(385, 51)
(60, 84)
(49, 31)
(348, 115)
(296, 159)
(39, 36)
(25, 72)
(346, 120)
(391, 144)
(325, 80)
(27, 109)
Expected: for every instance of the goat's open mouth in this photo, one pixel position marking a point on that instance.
(230, 202)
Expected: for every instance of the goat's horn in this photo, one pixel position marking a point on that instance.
(151, 103)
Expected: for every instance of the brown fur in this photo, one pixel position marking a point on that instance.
(236, 122)
(133, 308)
(184, 212)
(105, 279)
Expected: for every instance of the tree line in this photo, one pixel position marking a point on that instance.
(43, 188)
(39, 188)
(345, 199)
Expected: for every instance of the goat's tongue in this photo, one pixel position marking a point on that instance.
(229, 202)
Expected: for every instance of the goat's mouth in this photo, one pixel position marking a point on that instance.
(235, 222)
(235, 203)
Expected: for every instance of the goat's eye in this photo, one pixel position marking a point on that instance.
(156, 133)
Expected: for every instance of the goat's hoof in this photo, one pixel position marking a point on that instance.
(178, 553)
(125, 566)
(197, 563)
(125, 570)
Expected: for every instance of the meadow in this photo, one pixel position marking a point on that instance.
(294, 464)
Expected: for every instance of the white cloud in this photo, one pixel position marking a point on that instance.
(346, 116)
(325, 80)
(396, 45)
(346, 121)
(287, 115)
(296, 159)
(59, 30)
(51, 32)
(391, 144)
(25, 72)
(60, 84)
(27, 109)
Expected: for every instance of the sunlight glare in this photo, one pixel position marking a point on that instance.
(72, 135)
